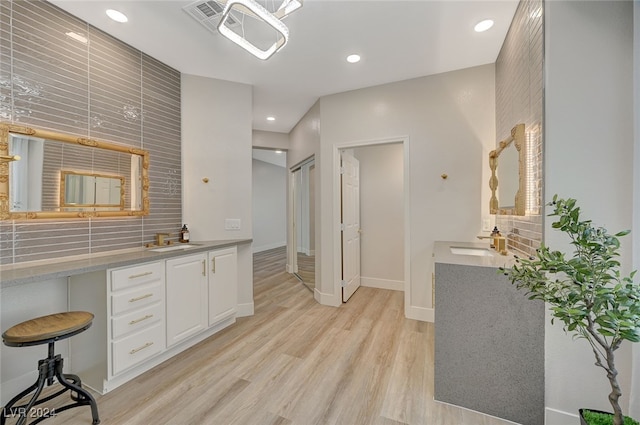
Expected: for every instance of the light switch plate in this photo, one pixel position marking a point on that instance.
(486, 224)
(232, 224)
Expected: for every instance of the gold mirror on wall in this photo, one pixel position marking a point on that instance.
(508, 181)
(41, 171)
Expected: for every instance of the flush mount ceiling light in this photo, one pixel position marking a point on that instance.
(271, 118)
(483, 25)
(116, 15)
(253, 9)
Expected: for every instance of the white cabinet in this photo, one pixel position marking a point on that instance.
(223, 284)
(149, 312)
(136, 319)
(186, 296)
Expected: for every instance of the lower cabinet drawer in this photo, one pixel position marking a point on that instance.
(123, 301)
(137, 347)
(136, 320)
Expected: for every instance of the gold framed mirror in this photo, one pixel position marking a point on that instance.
(35, 165)
(508, 180)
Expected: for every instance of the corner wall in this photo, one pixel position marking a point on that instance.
(589, 156)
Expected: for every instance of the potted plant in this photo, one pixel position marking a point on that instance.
(586, 292)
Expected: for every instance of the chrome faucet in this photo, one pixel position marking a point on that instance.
(160, 238)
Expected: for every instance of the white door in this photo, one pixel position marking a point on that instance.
(223, 284)
(350, 194)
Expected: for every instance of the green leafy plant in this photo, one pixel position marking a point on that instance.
(585, 292)
(597, 418)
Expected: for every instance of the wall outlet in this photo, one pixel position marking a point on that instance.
(232, 224)
(486, 225)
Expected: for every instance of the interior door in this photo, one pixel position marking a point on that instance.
(350, 199)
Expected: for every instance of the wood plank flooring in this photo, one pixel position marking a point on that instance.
(293, 362)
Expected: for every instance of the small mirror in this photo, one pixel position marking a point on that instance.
(78, 190)
(44, 174)
(507, 182)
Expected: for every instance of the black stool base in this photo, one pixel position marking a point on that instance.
(48, 369)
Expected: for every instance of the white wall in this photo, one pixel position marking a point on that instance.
(449, 122)
(381, 215)
(269, 206)
(589, 156)
(216, 144)
(634, 408)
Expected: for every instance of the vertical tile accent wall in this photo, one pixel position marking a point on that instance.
(103, 89)
(520, 99)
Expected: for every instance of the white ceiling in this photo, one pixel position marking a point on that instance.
(397, 40)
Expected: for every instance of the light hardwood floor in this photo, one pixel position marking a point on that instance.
(293, 362)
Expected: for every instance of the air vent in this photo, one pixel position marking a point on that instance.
(208, 13)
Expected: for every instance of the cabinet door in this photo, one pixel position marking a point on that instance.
(223, 284)
(186, 297)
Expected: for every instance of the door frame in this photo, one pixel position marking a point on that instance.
(335, 219)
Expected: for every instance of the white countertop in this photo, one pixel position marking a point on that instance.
(16, 274)
(442, 254)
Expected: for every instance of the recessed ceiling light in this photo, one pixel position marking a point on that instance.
(117, 16)
(483, 25)
(271, 118)
(278, 151)
(353, 58)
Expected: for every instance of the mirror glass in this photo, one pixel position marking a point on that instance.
(91, 190)
(44, 174)
(508, 182)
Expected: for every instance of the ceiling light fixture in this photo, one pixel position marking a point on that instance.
(255, 10)
(271, 118)
(353, 58)
(483, 25)
(116, 15)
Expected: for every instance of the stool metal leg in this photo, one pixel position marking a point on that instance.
(82, 398)
(48, 369)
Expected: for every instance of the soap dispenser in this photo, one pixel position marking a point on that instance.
(184, 234)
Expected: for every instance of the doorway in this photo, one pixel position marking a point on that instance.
(302, 183)
(384, 215)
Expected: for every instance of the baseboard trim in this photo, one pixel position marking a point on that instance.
(326, 299)
(419, 313)
(245, 309)
(558, 417)
(372, 282)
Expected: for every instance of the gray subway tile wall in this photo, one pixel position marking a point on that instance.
(104, 89)
(519, 99)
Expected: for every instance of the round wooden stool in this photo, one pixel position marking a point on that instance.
(48, 330)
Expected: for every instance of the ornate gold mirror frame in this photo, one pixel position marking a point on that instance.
(6, 129)
(518, 139)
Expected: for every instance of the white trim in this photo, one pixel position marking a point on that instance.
(476, 411)
(558, 417)
(244, 309)
(328, 299)
(269, 246)
(337, 261)
(373, 282)
(423, 314)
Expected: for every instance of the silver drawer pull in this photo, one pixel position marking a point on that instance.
(141, 297)
(135, 350)
(134, 276)
(148, 316)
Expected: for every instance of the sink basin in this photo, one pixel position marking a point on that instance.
(480, 252)
(172, 247)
